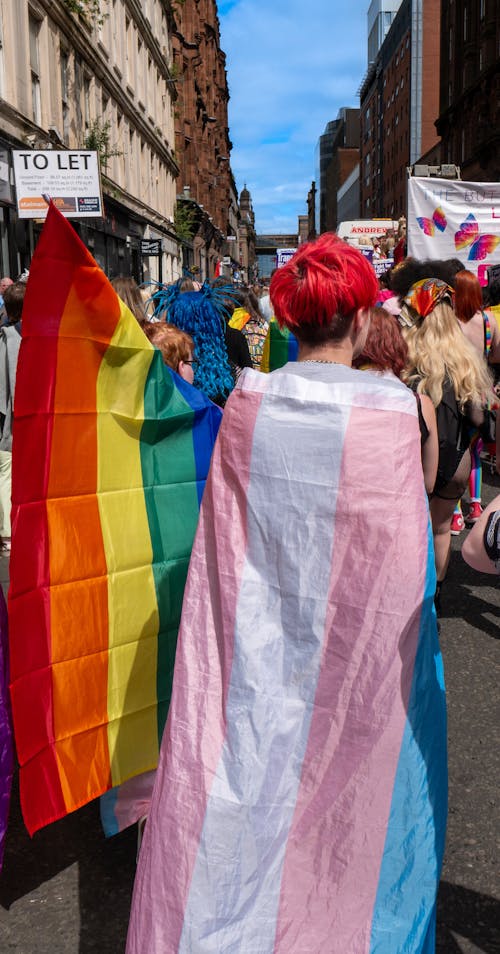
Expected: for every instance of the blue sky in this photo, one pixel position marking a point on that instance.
(291, 65)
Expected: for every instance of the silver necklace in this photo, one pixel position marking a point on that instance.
(319, 361)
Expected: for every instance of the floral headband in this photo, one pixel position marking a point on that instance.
(423, 298)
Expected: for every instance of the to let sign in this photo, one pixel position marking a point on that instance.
(69, 177)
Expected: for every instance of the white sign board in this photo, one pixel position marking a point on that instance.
(69, 177)
(453, 219)
(283, 255)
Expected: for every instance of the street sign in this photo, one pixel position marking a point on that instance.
(150, 247)
(69, 177)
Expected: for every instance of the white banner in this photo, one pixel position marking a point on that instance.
(69, 177)
(452, 219)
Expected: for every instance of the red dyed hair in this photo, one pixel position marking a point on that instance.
(318, 291)
(385, 348)
(468, 295)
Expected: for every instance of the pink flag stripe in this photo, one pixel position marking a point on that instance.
(290, 669)
(278, 638)
(203, 665)
(371, 635)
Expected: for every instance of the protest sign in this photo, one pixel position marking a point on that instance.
(283, 255)
(454, 219)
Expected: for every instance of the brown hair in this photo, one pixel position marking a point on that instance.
(128, 290)
(13, 299)
(175, 345)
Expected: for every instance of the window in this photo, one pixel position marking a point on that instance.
(86, 101)
(65, 93)
(34, 30)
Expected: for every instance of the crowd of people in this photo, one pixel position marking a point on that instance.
(433, 327)
(311, 604)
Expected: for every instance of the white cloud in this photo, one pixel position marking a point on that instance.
(291, 66)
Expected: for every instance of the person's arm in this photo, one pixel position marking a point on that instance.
(481, 549)
(430, 450)
(494, 355)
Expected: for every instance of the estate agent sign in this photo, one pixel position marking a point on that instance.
(69, 177)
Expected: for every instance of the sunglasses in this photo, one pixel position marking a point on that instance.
(194, 362)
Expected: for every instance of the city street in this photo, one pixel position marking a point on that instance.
(68, 890)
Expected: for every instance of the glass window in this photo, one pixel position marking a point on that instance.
(34, 30)
(64, 66)
(86, 101)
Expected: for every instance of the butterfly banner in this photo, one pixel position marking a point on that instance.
(454, 219)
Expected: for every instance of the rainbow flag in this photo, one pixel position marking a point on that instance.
(307, 730)
(110, 455)
(280, 347)
(6, 739)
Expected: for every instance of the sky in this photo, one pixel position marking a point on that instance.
(291, 65)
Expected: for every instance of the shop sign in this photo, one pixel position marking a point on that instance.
(69, 177)
(150, 247)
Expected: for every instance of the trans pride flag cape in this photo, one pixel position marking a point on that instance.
(110, 455)
(300, 799)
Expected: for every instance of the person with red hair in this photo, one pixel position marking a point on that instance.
(307, 725)
(484, 335)
(323, 295)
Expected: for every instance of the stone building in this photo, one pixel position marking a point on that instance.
(247, 237)
(93, 74)
(206, 186)
(469, 111)
(399, 101)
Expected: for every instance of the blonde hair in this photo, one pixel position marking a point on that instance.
(438, 349)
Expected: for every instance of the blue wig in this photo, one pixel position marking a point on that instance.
(199, 314)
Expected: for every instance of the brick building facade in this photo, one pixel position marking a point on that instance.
(345, 158)
(202, 142)
(469, 116)
(399, 101)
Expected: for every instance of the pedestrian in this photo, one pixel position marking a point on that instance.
(484, 334)
(248, 319)
(443, 364)
(300, 800)
(481, 549)
(128, 290)
(236, 343)
(200, 315)
(10, 343)
(176, 346)
(4, 283)
(385, 352)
